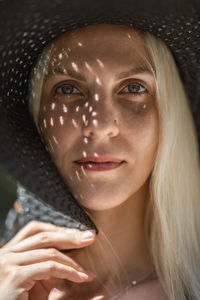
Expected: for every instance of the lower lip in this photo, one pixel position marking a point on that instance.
(100, 166)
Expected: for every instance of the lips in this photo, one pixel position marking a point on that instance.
(99, 159)
(101, 163)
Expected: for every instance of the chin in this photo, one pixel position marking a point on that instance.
(100, 201)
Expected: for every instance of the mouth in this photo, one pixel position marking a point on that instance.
(103, 163)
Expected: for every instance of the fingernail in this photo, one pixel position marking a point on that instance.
(83, 275)
(88, 234)
(90, 273)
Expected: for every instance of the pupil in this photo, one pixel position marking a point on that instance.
(133, 88)
(66, 89)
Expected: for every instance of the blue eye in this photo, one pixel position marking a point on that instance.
(66, 89)
(135, 88)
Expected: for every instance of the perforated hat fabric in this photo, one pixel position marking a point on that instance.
(27, 27)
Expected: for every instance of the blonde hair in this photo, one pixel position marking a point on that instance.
(172, 218)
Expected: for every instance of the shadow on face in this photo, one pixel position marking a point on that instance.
(98, 114)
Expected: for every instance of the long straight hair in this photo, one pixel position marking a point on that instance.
(172, 222)
(175, 183)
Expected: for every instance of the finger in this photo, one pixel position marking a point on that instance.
(32, 228)
(43, 270)
(41, 255)
(70, 239)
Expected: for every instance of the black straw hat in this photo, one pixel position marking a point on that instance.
(26, 28)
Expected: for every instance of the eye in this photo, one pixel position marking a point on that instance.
(135, 88)
(66, 89)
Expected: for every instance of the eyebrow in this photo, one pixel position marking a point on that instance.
(76, 75)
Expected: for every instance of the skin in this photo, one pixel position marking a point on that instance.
(101, 116)
(120, 123)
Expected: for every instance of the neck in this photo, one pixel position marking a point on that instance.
(120, 253)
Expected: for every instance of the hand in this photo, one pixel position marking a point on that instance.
(31, 261)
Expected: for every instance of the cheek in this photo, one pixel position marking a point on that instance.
(145, 138)
(58, 130)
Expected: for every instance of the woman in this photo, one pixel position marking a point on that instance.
(129, 103)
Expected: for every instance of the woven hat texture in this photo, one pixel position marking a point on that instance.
(27, 27)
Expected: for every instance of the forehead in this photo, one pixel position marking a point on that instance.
(103, 41)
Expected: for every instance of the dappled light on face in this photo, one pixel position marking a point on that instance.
(85, 140)
(55, 140)
(95, 122)
(100, 63)
(51, 121)
(75, 67)
(61, 119)
(53, 105)
(45, 123)
(92, 121)
(74, 123)
(96, 97)
(98, 81)
(77, 108)
(65, 109)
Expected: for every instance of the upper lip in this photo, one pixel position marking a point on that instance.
(100, 159)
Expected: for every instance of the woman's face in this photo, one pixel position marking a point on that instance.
(98, 99)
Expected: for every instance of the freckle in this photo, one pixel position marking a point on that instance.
(84, 154)
(77, 108)
(86, 104)
(45, 123)
(74, 123)
(90, 108)
(94, 113)
(53, 105)
(55, 140)
(51, 121)
(61, 120)
(95, 122)
(85, 140)
(65, 108)
(77, 174)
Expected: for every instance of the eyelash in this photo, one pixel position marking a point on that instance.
(130, 84)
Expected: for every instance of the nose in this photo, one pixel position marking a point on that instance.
(101, 123)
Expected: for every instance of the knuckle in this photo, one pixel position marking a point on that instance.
(75, 238)
(43, 237)
(52, 252)
(51, 266)
(33, 223)
(4, 260)
(13, 272)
